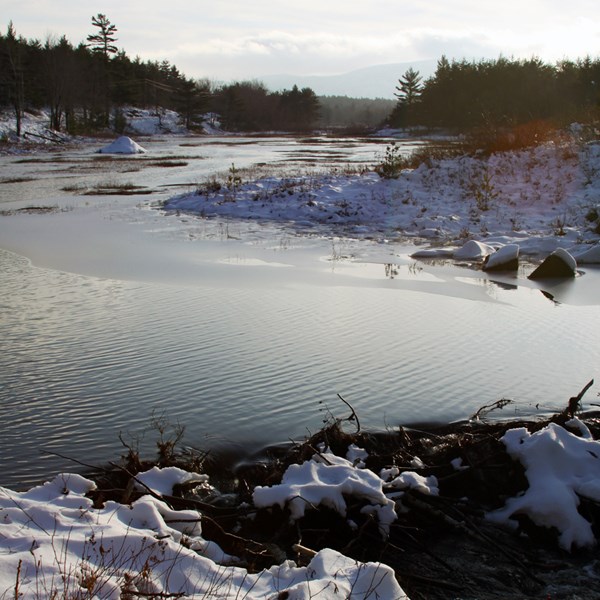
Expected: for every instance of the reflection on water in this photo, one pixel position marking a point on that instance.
(85, 358)
(504, 285)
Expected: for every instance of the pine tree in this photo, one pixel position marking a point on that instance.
(12, 72)
(102, 45)
(103, 41)
(409, 93)
(410, 87)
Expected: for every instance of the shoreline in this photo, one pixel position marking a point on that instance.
(441, 546)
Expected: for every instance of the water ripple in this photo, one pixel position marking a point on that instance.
(84, 359)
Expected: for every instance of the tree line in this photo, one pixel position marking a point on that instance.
(87, 85)
(463, 95)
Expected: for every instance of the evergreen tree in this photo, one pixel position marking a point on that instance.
(408, 94)
(103, 41)
(410, 87)
(102, 44)
(299, 109)
(13, 73)
(192, 100)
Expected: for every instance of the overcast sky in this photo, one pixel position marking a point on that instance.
(246, 39)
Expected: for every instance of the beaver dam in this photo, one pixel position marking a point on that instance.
(476, 509)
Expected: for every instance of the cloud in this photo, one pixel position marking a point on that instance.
(236, 39)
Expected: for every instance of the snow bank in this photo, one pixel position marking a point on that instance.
(122, 145)
(35, 127)
(54, 543)
(589, 257)
(538, 199)
(53, 539)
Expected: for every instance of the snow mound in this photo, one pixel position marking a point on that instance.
(560, 467)
(558, 264)
(161, 481)
(122, 145)
(326, 479)
(473, 250)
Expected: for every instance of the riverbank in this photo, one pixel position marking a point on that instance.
(540, 198)
(472, 510)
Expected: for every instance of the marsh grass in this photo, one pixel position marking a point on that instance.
(107, 188)
(168, 163)
(33, 210)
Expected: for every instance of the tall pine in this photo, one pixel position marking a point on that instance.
(103, 41)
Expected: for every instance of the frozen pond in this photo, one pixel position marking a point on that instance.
(245, 332)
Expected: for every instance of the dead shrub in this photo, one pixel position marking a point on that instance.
(491, 138)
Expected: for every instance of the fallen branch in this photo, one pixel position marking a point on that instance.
(488, 408)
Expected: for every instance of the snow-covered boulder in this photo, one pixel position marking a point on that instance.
(560, 264)
(504, 259)
(473, 250)
(589, 257)
(122, 145)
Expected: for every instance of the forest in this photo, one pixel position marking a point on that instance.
(86, 87)
(464, 95)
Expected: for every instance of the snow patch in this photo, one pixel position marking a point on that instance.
(122, 145)
(560, 467)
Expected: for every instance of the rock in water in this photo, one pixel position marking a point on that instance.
(560, 264)
(504, 259)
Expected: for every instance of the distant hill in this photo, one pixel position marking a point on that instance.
(378, 81)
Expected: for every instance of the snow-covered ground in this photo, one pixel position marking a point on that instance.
(55, 543)
(539, 198)
(35, 125)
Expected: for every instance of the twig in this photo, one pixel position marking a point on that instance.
(353, 416)
(96, 468)
(148, 489)
(304, 552)
(320, 454)
(488, 408)
(157, 594)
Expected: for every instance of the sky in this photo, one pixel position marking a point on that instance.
(239, 40)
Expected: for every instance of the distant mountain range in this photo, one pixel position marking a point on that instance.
(378, 81)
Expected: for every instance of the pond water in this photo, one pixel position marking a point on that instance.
(112, 312)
